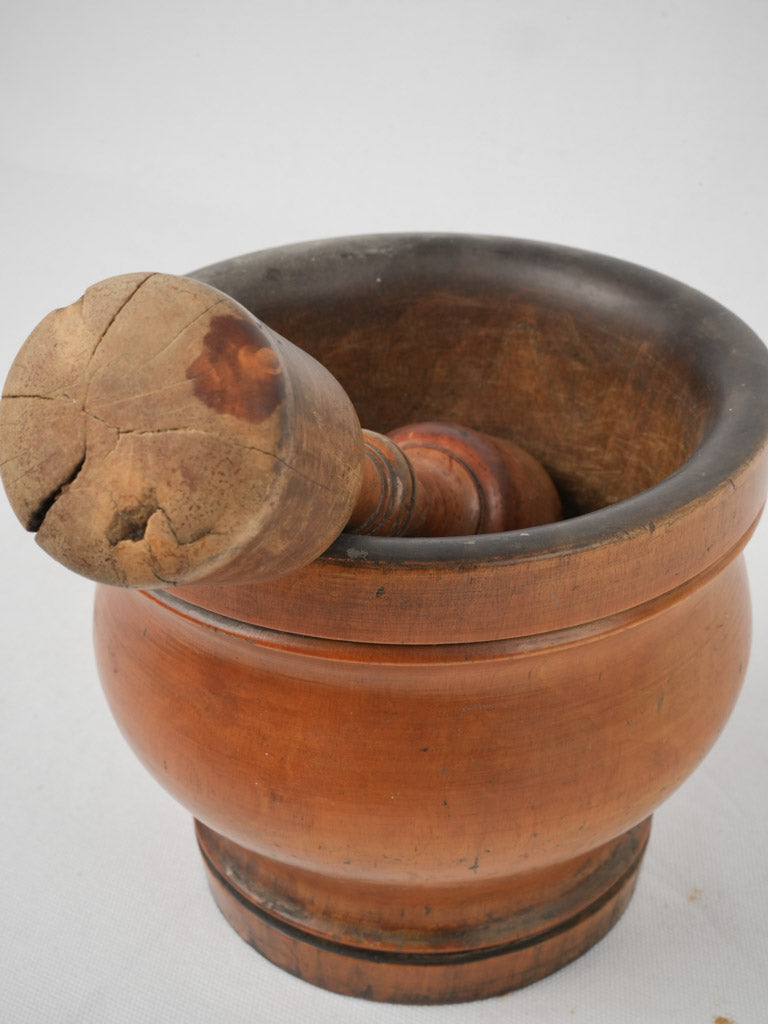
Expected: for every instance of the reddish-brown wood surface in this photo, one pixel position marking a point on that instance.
(437, 977)
(442, 480)
(583, 730)
(406, 801)
(423, 769)
(499, 706)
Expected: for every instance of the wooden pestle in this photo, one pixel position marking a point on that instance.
(156, 433)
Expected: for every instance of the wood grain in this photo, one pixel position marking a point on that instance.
(424, 823)
(423, 769)
(442, 480)
(155, 431)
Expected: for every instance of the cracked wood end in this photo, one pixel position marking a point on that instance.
(154, 433)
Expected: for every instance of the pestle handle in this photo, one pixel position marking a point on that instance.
(440, 480)
(155, 433)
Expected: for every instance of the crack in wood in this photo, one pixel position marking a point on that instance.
(36, 518)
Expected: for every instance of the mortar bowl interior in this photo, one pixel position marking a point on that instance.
(641, 396)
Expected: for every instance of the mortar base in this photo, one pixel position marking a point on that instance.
(394, 975)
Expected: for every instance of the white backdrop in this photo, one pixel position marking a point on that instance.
(164, 136)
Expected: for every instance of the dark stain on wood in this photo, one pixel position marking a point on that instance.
(237, 373)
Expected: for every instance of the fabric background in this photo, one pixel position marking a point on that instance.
(168, 135)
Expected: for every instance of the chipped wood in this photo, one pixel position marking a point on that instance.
(143, 431)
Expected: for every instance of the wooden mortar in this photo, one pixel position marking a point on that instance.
(423, 769)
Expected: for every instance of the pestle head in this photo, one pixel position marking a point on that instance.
(155, 433)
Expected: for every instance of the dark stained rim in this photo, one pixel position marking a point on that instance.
(729, 356)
